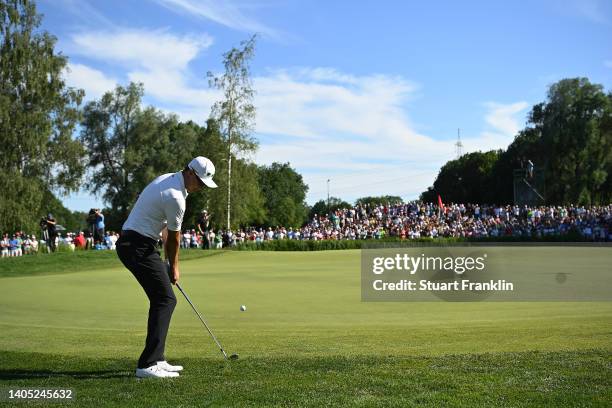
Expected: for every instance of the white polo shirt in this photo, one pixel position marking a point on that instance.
(161, 204)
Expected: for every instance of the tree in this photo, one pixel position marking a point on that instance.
(573, 140)
(38, 113)
(247, 203)
(466, 179)
(114, 153)
(605, 194)
(569, 137)
(526, 146)
(209, 143)
(284, 193)
(321, 207)
(129, 146)
(386, 200)
(235, 114)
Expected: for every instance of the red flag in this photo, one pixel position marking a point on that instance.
(440, 204)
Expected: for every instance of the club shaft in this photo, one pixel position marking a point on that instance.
(202, 320)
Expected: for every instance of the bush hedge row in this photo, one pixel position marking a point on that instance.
(326, 245)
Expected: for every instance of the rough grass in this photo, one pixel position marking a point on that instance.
(555, 379)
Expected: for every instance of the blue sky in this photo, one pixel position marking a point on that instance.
(368, 94)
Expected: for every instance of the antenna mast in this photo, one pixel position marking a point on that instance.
(459, 145)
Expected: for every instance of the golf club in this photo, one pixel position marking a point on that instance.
(233, 356)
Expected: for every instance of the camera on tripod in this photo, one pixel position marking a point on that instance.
(91, 217)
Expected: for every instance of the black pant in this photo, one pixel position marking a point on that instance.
(99, 235)
(51, 242)
(140, 255)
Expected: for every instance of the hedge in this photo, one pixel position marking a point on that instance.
(326, 245)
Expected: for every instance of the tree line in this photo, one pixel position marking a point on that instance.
(568, 138)
(128, 145)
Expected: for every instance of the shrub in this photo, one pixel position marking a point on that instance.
(327, 245)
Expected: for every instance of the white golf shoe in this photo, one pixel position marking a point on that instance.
(154, 372)
(169, 367)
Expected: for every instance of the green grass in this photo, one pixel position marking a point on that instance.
(508, 379)
(73, 261)
(305, 340)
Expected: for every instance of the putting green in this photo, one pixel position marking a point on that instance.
(301, 307)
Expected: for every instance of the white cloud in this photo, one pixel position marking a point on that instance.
(170, 87)
(148, 49)
(352, 129)
(227, 13)
(503, 122)
(94, 82)
(503, 117)
(326, 123)
(158, 59)
(312, 104)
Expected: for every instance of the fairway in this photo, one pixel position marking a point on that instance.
(305, 339)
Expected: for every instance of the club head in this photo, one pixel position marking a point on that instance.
(233, 357)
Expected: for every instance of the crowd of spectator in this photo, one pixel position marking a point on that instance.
(20, 243)
(416, 220)
(425, 220)
(410, 220)
(51, 238)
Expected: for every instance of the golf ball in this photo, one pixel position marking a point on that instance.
(243, 308)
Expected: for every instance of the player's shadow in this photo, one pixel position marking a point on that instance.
(30, 374)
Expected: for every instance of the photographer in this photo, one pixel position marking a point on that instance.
(99, 227)
(91, 225)
(51, 231)
(202, 224)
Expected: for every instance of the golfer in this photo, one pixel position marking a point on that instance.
(159, 212)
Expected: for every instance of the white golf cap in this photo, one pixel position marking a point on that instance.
(204, 169)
